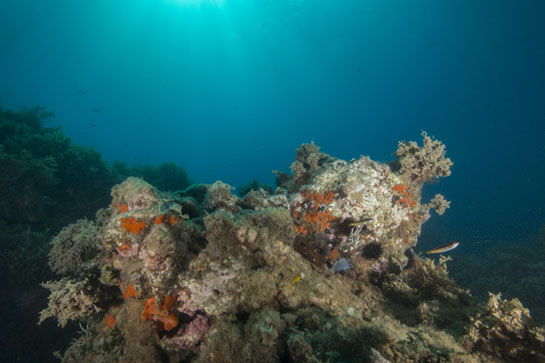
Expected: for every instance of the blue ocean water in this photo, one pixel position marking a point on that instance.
(230, 88)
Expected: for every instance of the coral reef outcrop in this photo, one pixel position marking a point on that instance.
(323, 269)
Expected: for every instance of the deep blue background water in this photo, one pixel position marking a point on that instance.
(229, 89)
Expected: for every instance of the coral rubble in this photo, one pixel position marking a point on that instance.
(321, 270)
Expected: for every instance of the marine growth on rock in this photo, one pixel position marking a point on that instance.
(323, 269)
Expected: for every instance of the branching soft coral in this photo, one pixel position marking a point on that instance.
(505, 328)
(68, 301)
(439, 203)
(307, 158)
(423, 164)
(72, 245)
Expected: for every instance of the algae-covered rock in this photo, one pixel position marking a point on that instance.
(219, 196)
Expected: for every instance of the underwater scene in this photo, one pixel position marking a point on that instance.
(272, 181)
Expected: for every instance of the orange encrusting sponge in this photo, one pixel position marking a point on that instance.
(407, 197)
(130, 292)
(307, 214)
(401, 189)
(131, 225)
(160, 313)
(162, 218)
(110, 321)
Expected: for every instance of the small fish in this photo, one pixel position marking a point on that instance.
(297, 278)
(444, 248)
(360, 223)
(96, 111)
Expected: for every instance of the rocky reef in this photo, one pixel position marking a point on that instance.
(46, 183)
(323, 269)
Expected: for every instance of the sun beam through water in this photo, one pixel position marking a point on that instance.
(197, 3)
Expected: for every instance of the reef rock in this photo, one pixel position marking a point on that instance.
(320, 270)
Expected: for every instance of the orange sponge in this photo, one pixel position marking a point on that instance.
(131, 225)
(130, 292)
(160, 313)
(110, 321)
